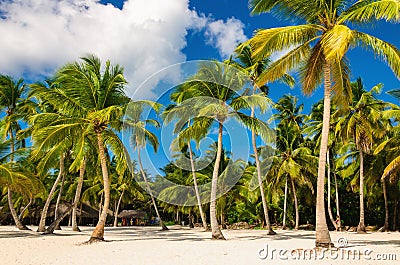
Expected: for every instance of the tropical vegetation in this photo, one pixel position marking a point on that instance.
(62, 139)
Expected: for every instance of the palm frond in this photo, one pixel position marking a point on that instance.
(267, 41)
(366, 10)
(386, 51)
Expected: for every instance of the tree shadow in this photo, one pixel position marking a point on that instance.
(17, 234)
(172, 234)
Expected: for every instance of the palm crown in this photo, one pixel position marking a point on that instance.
(325, 39)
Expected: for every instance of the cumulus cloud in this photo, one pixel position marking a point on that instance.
(144, 36)
(225, 36)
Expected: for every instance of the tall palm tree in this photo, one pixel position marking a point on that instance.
(362, 124)
(388, 150)
(91, 100)
(293, 160)
(314, 130)
(254, 69)
(289, 115)
(214, 98)
(77, 196)
(50, 152)
(178, 97)
(319, 47)
(13, 101)
(141, 136)
(392, 145)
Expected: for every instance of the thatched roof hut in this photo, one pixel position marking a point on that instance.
(132, 214)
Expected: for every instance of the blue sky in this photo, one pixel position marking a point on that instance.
(148, 35)
(362, 62)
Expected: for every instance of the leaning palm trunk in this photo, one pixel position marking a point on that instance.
(56, 211)
(196, 189)
(42, 222)
(17, 221)
(117, 209)
(25, 208)
(50, 229)
(385, 227)
(78, 195)
(329, 191)
(361, 225)
(215, 230)
(284, 205)
(296, 206)
(163, 226)
(98, 232)
(323, 238)
(260, 183)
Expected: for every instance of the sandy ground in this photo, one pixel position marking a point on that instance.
(181, 245)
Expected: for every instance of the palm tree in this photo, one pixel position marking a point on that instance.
(178, 97)
(126, 190)
(293, 160)
(77, 196)
(91, 100)
(141, 136)
(362, 124)
(254, 69)
(50, 152)
(213, 98)
(314, 130)
(319, 48)
(391, 145)
(290, 117)
(13, 101)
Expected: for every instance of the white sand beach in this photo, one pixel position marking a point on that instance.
(181, 245)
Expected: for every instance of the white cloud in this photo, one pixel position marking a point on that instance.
(225, 36)
(144, 36)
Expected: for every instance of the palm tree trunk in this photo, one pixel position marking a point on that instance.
(260, 182)
(17, 221)
(42, 222)
(361, 225)
(296, 206)
(323, 239)
(100, 204)
(25, 208)
(215, 230)
(329, 190)
(52, 226)
(196, 189)
(70, 217)
(163, 226)
(117, 209)
(284, 205)
(56, 210)
(338, 220)
(78, 195)
(98, 232)
(385, 227)
(261, 186)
